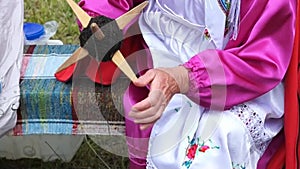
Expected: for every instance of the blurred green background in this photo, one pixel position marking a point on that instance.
(41, 11)
(89, 155)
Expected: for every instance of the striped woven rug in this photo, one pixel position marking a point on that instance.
(48, 106)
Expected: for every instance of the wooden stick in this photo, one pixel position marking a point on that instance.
(82, 16)
(122, 64)
(124, 19)
(97, 31)
(80, 53)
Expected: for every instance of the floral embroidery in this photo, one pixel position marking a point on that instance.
(195, 147)
(177, 109)
(206, 34)
(238, 166)
(225, 5)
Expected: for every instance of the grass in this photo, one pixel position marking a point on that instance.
(41, 11)
(89, 155)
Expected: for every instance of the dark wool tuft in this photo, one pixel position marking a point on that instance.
(102, 50)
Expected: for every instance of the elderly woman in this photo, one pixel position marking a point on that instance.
(215, 79)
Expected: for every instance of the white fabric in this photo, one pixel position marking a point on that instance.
(240, 141)
(159, 19)
(11, 52)
(236, 138)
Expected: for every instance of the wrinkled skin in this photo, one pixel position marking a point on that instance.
(164, 83)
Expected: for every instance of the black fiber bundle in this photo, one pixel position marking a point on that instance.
(104, 49)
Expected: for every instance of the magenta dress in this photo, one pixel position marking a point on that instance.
(254, 64)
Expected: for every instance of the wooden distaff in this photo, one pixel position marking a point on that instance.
(82, 16)
(121, 21)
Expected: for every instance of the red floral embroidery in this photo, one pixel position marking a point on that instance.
(203, 148)
(192, 151)
(194, 148)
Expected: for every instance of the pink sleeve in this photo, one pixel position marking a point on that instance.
(251, 65)
(109, 8)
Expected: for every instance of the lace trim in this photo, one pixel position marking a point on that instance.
(149, 165)
(254, 124)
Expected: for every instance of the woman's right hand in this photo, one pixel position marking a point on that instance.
(164, 83)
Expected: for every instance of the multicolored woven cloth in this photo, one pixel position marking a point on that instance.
(48, 106)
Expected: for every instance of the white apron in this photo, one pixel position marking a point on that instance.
(188, 136)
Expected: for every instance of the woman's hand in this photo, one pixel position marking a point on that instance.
(164, 83)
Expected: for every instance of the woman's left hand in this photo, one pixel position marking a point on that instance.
(164, 83)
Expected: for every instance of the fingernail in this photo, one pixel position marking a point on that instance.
(142, 127)
(134, 110)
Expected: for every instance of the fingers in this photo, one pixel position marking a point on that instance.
(145, 79)
(149, 109)
(148, 117)
(142, 105)
(145, 120)
(163, 87)
(145, 126)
